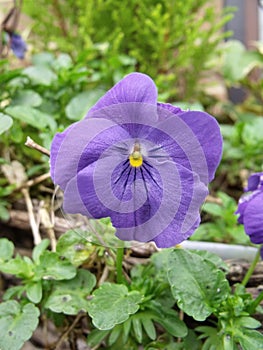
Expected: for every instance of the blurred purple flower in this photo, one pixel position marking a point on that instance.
(250, 209)
(142, 163)
(17, 45)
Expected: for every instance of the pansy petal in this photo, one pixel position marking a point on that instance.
(135, 87)
(173, 235)
(206, 129)
(72, 146)
(254, 182)
(242, 205)
(253, 218)
(18, 45)
(145, 206)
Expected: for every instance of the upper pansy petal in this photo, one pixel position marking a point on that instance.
(135, 87)
(81, 143)
(253, 218)
(206, 129)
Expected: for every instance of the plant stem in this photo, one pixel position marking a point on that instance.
(251, 268)
(119, 259)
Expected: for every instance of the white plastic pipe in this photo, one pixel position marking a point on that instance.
(225, 251)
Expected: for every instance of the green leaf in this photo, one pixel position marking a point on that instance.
(137, 327)
(252, 132)
(40, 75)
(196, 106)
(70, 297)
(213, 258)
(112, 304)
(238, 62)
(34, 291)
(27, 98)
(13, 292)
(196, 284)
(39, 250)
(250, 339)
(4, 213)
(80, 104)
(96, 336)
(43, 59)
(148, 325)
(6, 249)
(51, 267)
(5, 123)
(20, 267)
(247, 322)
(114, 335)
(32, 116)
(171, 323)
(74, 247)
(17, 324)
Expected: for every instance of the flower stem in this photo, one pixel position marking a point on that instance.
(119, 259)
(251, 268)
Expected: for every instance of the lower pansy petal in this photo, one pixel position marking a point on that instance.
(173, 235)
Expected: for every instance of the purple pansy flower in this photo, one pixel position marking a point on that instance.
(18, 45)
(144, 164)
(250, 209)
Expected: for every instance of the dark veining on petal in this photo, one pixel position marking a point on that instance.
(149, 173)
(123, 171)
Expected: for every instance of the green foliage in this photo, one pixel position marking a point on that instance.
(69, 297)
(166, 39)
(196, 285)
(142, 312)
(112, 304)
(223, 227)
(17, 323)
(5, 122)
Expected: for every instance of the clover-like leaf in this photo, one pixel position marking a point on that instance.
(112, 304)
(52, 267)
(70, 297)
(17, 324)
(196, 284)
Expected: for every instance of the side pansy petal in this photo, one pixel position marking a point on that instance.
(81, 144)
(206, 129)
(135, 87)
(253, 218)
(254, 182)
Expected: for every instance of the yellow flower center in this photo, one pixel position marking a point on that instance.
(135, 157)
